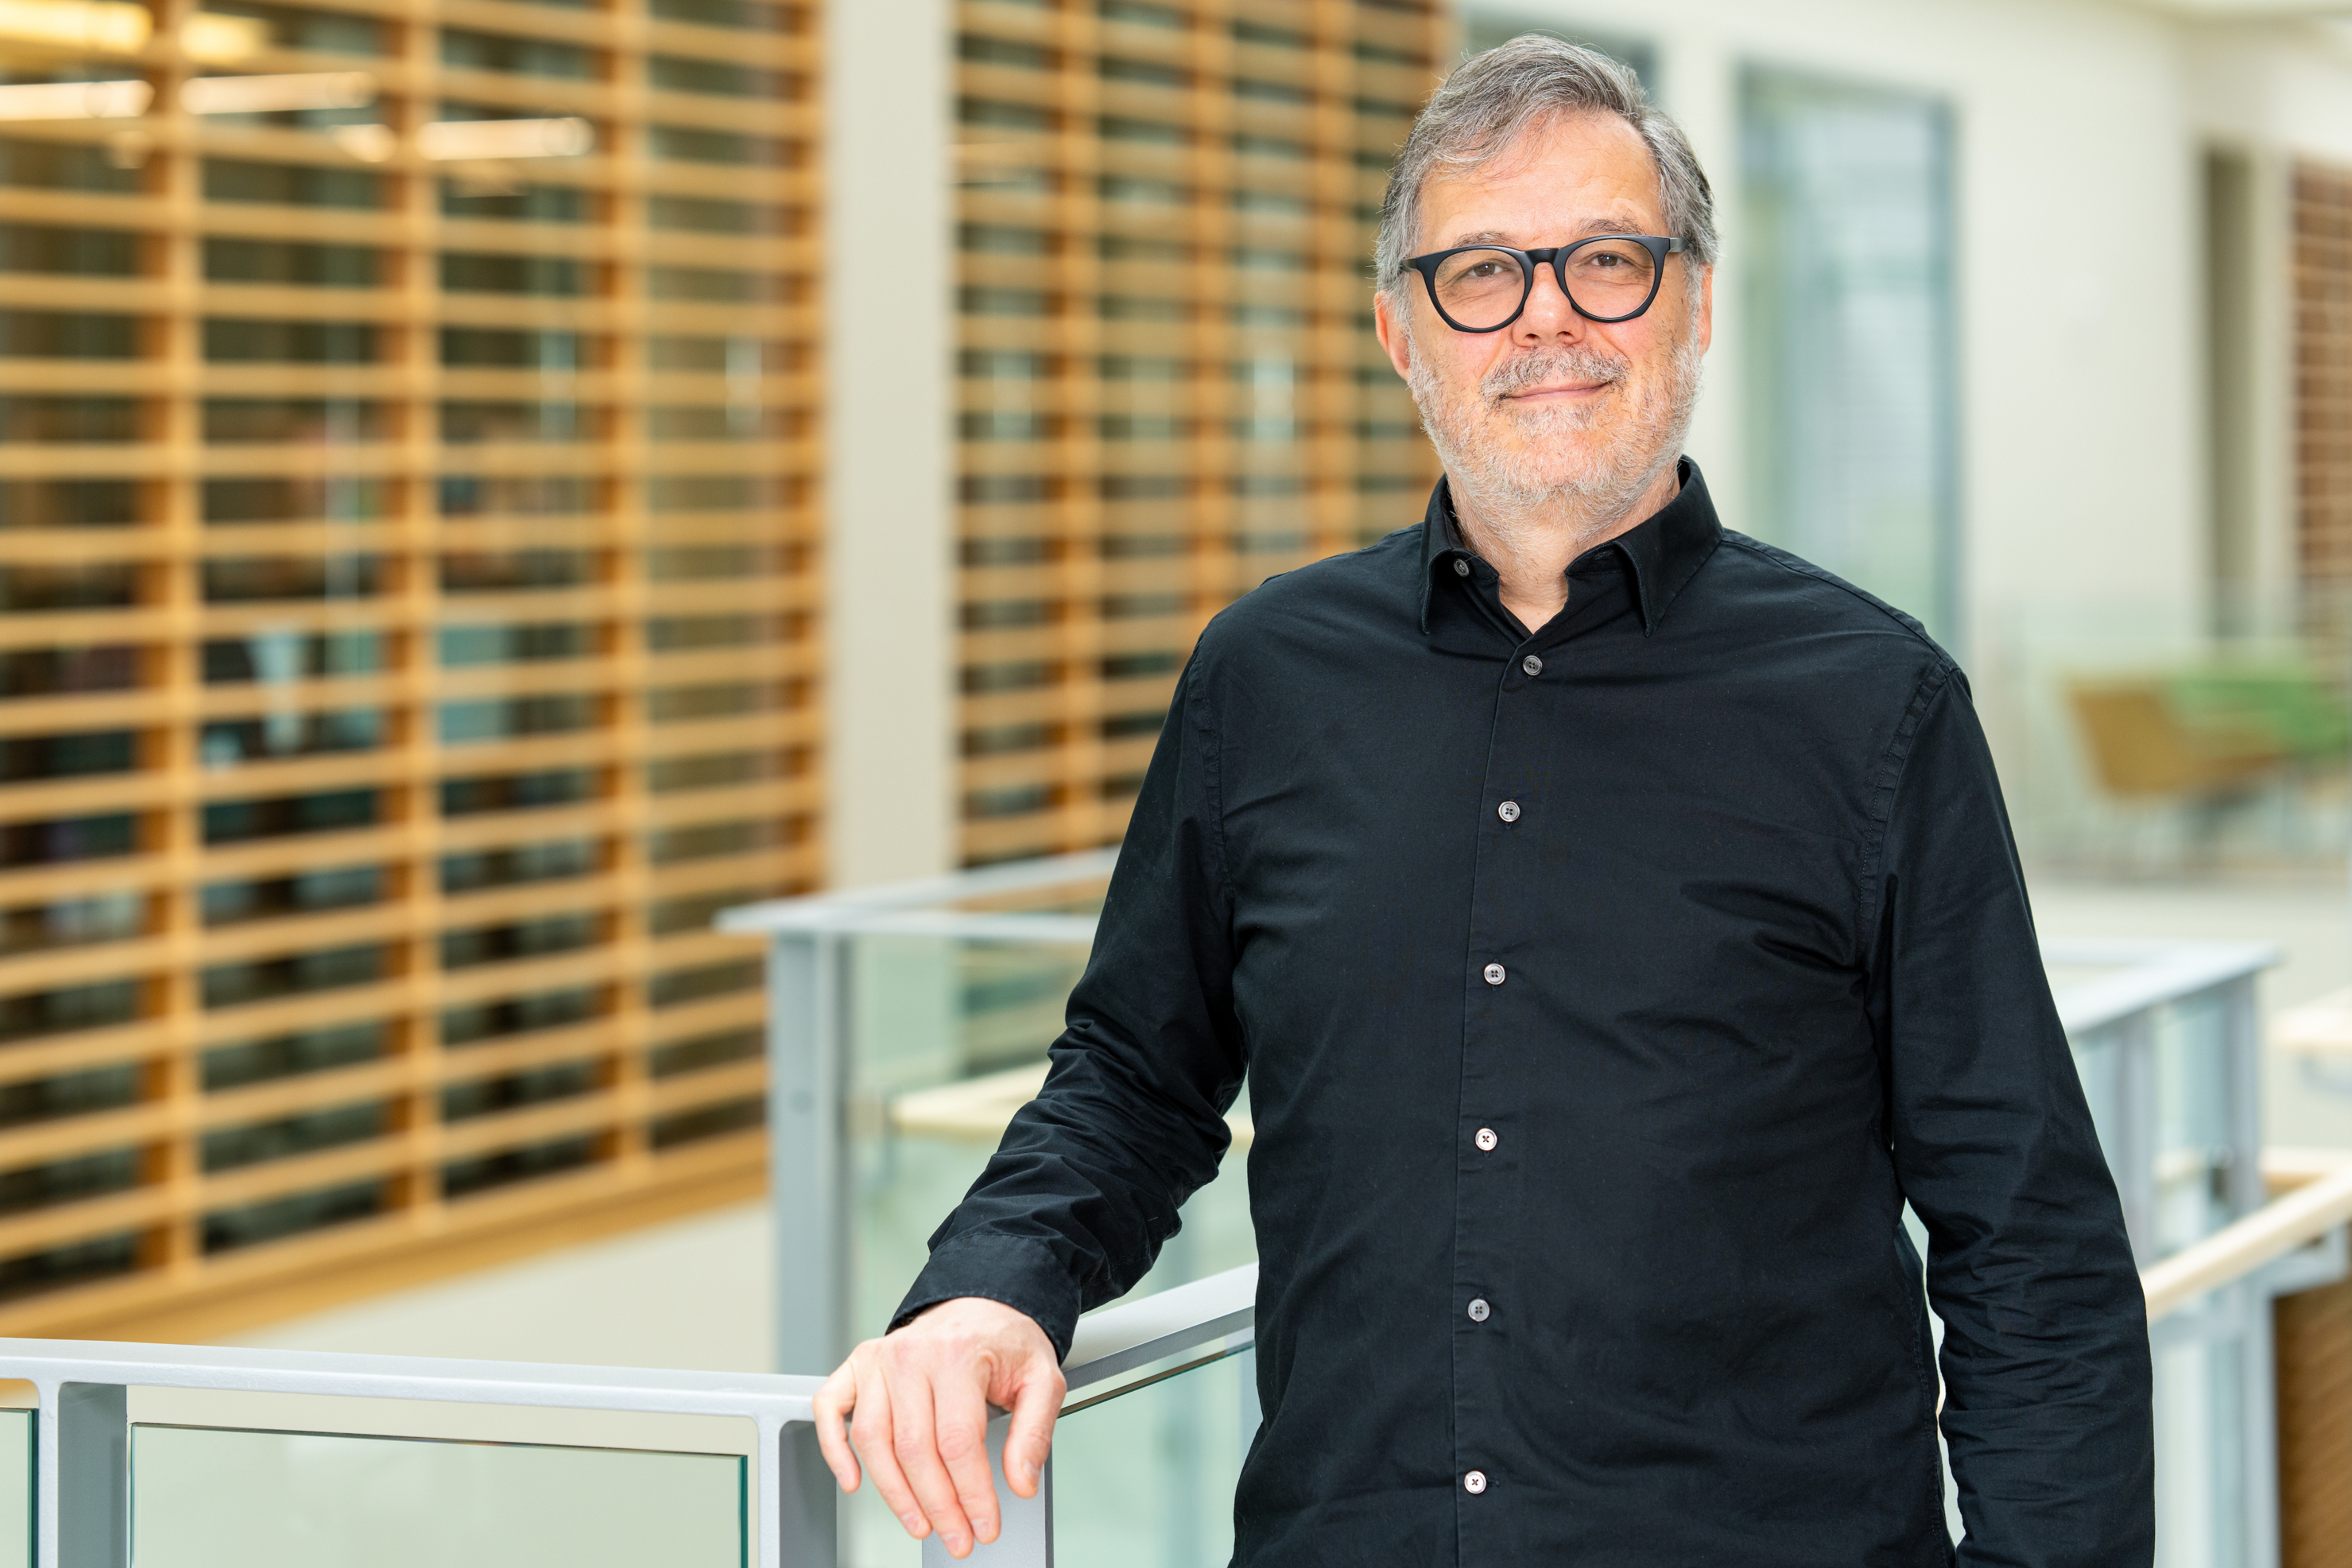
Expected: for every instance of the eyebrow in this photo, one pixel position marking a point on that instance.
(1588, 226)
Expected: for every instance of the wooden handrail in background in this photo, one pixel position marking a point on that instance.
(2303, 1215)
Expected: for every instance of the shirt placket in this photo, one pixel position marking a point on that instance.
(1498, 1028)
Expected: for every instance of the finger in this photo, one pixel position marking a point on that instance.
(960, 1418)
(831, 1406)
(914, 1442)
(874, 1431)
(1035, 1404)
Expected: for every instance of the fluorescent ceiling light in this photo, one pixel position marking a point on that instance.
(261, 95)
(218, 40)
(75, 101)
(445, 141)
(103, 25)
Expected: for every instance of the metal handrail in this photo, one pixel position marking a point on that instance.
(1221, 1309)
(849, 909)
(2149, 975)
(82, 1484)
(1190, 1317)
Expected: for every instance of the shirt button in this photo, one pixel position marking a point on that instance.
(1493, 973)
(1461, 567)
(1485, 1139)
(1532, 664)
(1479, 1311)
(1474, 1482)
(1508, 810)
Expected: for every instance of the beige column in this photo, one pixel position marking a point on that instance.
(889, 353)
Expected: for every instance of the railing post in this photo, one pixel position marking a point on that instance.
(91, 1452)
(2257, 1371)
(1026, 1537)
(2241, 1043)
(2136, 1129)
(808, 1152)
(2257, 1405)
(799, 1501)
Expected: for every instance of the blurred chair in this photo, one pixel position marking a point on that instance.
(2143, 743)
(2147, 751)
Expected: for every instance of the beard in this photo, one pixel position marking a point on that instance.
(1521, 470)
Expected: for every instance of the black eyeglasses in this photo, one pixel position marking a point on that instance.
(1485, 288)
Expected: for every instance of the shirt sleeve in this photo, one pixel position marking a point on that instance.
(1085, 1189)
(2045, 1356)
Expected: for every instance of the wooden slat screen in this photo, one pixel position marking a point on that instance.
(412, 636)
(1170, 390)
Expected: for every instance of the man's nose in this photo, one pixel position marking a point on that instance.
(1548, 314)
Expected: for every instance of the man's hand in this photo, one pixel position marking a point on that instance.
(916, 1402)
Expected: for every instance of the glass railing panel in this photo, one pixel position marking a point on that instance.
(206, 1497)
(1146, 1480)
(16, 1481)
(947, 1039)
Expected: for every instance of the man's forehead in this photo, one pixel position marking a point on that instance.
(1570, 175)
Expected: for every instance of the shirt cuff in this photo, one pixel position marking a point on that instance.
(1020, 1273)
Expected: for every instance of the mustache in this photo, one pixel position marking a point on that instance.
(1538, 366)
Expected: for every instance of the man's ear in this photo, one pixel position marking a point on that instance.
(1394, 333)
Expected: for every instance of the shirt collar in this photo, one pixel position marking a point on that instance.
(1663, 552)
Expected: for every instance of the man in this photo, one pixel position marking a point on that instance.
(1617, 922)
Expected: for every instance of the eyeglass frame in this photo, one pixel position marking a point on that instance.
(1659, 247)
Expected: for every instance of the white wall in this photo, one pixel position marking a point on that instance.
(2285, 85)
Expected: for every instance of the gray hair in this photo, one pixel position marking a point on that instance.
(1491, 99)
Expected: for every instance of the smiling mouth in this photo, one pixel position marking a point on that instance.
(1579, 389)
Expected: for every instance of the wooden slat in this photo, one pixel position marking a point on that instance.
(2323, 350)
(2314, 1339)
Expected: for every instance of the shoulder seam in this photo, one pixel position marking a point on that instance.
(1885, 784)
(1211, 769)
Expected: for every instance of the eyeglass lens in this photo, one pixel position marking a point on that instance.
(1482, 288)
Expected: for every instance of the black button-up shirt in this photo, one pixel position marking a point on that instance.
(1603, 994)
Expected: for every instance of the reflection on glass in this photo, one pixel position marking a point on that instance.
(1146, 1481)
(214, 1498)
